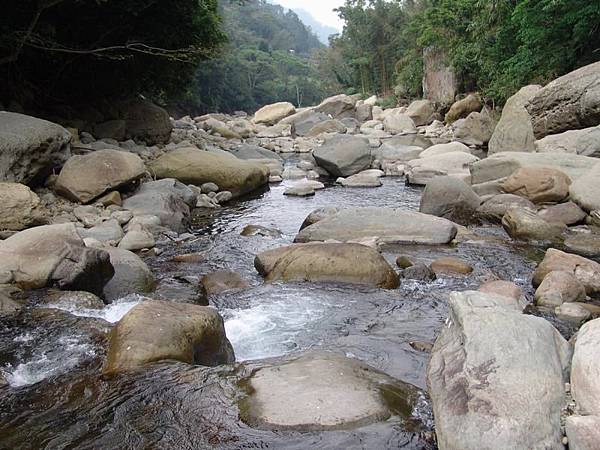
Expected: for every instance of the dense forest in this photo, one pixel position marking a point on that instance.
(495, 46)
(227, 55)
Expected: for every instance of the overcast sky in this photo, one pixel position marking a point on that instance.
(322, 10)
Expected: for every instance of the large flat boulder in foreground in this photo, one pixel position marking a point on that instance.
(502, 165)
(86, 177)
(496, 377)
(157, 331)
(570, 102)
(323, 391)
(389, 225)
(343, 263)
(30, 148)
(54, 255)
(193, 166)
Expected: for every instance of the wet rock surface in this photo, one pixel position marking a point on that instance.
(324, 306)
(324, 391)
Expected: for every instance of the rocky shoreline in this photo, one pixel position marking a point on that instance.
(84, 213)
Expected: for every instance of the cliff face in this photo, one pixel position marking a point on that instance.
(440, 83)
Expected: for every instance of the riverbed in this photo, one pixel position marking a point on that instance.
(51, 355)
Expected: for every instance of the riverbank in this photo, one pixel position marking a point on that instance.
(194, 248)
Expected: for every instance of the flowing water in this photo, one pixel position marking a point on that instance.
(51, 355)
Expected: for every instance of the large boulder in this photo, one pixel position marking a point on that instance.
(454, 164)
(343, 155)
(86, 177)
(338, 106)
(538, 184)
(144, 121)
(251, 152)
(440, 149)
(168, 199)
(502, 165)
(272, 114)
(497, 206)
(462, 108)
(54, 255)
(193, 166)
(585, 191)
(514, 132)
(302, 122)
(390, 151)
(476, 129)
(450, 198)
(155, 331)
(585, 270)
(30, 148)
(570, 102)
(318, 262)
(19, 207)
(584, 142)
(496, 377)
(559, 287)
(585, 370)
(362, 180)
(388, 225)
(568, 213)
(421, 112)
(131, 275)
(364, 112)
(524, 224)
(397, 122)
(323, 391)
(327, 126)
(215, 126)
(583, 432)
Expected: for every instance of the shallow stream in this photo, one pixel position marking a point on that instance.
(55, 397)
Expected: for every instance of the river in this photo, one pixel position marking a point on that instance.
(56, 398)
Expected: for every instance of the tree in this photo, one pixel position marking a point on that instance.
(84, 50)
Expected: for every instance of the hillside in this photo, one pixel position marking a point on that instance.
(322, 31)
(267, 59)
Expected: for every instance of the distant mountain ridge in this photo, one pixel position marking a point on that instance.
(321, 30)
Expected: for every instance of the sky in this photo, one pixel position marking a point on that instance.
(322, 10)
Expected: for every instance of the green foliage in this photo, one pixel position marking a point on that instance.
(495, 46)
(84, 50)
(387, 102)
(268, 60)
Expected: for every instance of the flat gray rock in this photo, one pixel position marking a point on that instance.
(389, 225)
(323, 391)
(496, 377)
